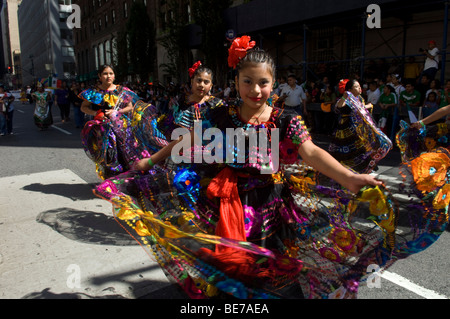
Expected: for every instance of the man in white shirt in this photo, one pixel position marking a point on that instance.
(373, 94)
(281, 85)
(294, 96)
(432, 60)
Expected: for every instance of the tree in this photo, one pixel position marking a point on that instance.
(139, 41)
(173, 39)
(213, 33)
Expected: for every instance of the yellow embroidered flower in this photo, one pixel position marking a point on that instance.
(126, 214)
(142, 229)
(110, 99)
(345, 239)
(442, 198)
(379, 207)
(375, 196)
(430, 170)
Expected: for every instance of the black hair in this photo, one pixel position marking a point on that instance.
(202, 69)
(390, 88)
(255, 56)
(105, 66)
(350, 84)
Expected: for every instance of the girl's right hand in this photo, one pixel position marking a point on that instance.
(141, 165)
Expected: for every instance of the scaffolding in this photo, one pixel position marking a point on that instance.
(356, 56)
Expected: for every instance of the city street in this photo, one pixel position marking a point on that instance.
(60, 241)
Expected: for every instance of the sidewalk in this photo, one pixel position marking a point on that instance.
(60, 241)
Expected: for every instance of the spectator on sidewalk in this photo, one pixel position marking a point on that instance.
(431, 65)
(412, 69)
(76, 102)
(373, 93)
(294, 97)
(62, 101)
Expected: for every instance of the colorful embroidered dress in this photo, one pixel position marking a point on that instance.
(42, 113)
(228, 228)
(183, 113)
(110, 143)
(357, 142)
(413, 142)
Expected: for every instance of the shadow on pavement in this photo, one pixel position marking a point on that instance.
(47, 294)
(86, 227)
(72, 191)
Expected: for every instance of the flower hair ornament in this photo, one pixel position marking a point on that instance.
(238, 50)
(342, 84)
(194, 68)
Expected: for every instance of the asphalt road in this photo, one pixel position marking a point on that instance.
(50, 221)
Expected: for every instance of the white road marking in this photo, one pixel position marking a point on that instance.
(407, 284)
(61, 130)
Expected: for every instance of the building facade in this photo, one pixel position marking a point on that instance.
(11, 74)
(304, 37)
(97, 39)
(46, 41)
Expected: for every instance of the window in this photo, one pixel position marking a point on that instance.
(113, 16)
(125, 10)
(101, 54)
(66, 34)
(108, 51)
(67, 51)
(96, 57)
(114, 51)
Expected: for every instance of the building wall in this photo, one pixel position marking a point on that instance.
(92, 39)
(334, 31)
(44, 51)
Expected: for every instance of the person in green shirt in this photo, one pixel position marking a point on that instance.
(410, 96)
(387, 101)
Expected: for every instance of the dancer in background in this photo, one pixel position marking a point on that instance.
(357, 142)
(42, 112)
(108, 139)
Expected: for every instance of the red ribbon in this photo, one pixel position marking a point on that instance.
(194, 68)
(99, 115)
(231, 221)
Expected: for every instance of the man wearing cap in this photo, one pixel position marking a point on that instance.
(432, 60)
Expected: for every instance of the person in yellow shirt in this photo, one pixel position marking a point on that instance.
(412, 69)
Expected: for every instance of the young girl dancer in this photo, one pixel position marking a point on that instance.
(108, 139)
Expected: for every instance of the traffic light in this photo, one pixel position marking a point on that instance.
(9, 69)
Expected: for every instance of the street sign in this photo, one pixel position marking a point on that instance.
(230, 35)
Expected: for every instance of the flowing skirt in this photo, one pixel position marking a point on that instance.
(305, 236)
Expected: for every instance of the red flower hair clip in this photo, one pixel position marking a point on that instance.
(194, 68)
(238, 50)
(342, 84)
